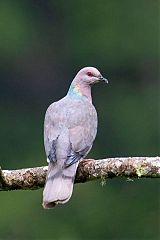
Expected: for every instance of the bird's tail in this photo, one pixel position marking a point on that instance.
(59, 184)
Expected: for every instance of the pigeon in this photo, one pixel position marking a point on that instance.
(70, 128)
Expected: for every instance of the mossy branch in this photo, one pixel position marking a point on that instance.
(89, 169)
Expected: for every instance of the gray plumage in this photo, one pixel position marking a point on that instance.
(70, 128)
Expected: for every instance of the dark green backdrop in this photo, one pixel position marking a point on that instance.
(42, 46)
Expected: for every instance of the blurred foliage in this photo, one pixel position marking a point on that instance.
(42, 46)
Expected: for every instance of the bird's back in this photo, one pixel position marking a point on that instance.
(74, 119)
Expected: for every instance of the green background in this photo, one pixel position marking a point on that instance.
(42, 46)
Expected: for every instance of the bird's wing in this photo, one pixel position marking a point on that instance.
(75, 156)
(82, 134)
(80, 144)
(51, 133)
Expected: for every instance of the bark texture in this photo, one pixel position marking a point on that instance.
(89, 169)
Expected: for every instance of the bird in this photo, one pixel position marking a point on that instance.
(70, 128)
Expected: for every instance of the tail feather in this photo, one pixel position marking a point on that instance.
(59, 185)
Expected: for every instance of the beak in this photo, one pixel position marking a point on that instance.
(101, 78)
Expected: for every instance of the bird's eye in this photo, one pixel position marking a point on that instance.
(89, 74)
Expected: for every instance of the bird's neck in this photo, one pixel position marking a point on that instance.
(80, 90)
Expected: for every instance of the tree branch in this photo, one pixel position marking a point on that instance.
(89, 169)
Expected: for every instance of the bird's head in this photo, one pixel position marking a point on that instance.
(89, 76)
(85, 78)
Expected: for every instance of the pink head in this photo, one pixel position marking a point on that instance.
(81, 84)
(89, 76)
